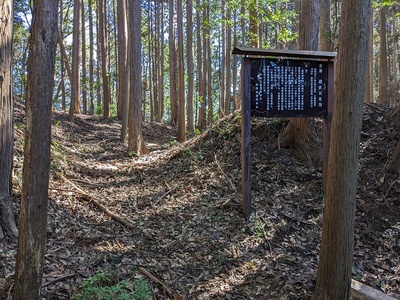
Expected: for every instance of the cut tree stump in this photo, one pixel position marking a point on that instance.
(360, 291)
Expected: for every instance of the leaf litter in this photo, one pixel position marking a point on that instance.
(182, 208)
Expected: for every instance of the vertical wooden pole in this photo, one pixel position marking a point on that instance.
(246, 136)
(328, 122)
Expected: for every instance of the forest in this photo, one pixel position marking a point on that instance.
(121, 152)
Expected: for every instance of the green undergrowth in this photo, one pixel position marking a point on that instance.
(106, 286)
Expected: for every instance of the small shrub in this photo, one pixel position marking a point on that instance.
(104, 286)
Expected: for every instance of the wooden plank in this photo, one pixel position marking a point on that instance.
(285, 53)
(360, 291)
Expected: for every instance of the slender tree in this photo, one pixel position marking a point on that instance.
(201, 88)
(35, 178)
(394, 81)
(84, 77)
(300, 132)
(104, 57)
(335, 263)
(91, 57)
(62, 63)
(135, 137)
(160, 64)
(181, 76)
(383, 64)
(173, 66)
(369, 88)
(75, 83)
(6, 119)
(190, 66)
(122, 54)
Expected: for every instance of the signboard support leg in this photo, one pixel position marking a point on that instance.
(327, 123)
(246, 137)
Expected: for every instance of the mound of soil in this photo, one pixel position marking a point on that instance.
(175, 213)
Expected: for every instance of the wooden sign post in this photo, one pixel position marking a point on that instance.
(283, 83)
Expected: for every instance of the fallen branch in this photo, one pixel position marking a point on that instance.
(87, 197)
(365, 292)
(61, 278)
(166, 289)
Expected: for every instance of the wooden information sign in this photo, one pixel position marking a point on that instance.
(283, 83)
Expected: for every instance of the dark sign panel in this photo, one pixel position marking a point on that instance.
(289, 88)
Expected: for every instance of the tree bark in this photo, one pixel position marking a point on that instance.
(122, 55)
(369, 88)
(83, 48)
(228, 50)
(300, 133)
(75, 83)
(394, 81)
(104, 58)
(207, 64)
(181, 76)
(91, 58)
(201, 89)
(335, 263)
(383, 66)
(6, 119)
(160, 73)
(173, 72)
(190, 66)
(135, 137)
(326, 33)
(33, 211)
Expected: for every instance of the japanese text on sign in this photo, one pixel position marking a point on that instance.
(282, 87)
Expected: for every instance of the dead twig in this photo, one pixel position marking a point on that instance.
(89, 198)
(166, 289)
(226, 176)
(170, 190)
(61, 278)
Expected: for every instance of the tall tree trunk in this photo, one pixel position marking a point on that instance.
(75, 83)
(235, 63)
(151, 62)
(181, 75)
(326, 33)
(160, 74)
(84, 77)
(253, 15)
(300, 132)
(383, 66)
(135, 137)
(369, 87)
(190, 66)
(62, 63)
(104, 58)
(99, 99)
(207, 65)
(125, 115)
(201, 88)
(173, 72)
(91, 58)
(222, 64)
(228, 55)
(6, 120)
(394, 82)
(122, 55)
(335, 263)
(34, 198)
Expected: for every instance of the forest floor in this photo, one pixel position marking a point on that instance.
(176, 212)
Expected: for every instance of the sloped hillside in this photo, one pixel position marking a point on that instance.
(176, 213)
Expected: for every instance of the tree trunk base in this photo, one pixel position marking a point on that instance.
(300, 135)
(7, 218)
